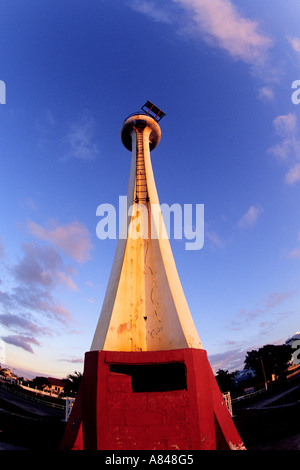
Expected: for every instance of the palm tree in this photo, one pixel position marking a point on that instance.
(72, 382)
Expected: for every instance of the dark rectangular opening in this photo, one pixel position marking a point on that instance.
(154, 377)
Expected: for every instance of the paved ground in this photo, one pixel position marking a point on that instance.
(9, 401)
(272, 420)
(273, 400)
(27, 425)
(289, 443)
(5, 446)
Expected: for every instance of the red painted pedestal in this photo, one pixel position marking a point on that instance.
(149, 400)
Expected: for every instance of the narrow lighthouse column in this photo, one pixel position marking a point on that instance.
(147, 383)
(145, 308)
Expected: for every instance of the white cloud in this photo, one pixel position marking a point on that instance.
(250, 217)
(230, 360)
(150, 9)
(81, 140)
(288, 149)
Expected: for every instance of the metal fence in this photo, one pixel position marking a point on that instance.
(34, 399)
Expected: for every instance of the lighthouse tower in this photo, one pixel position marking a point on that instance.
(147, 383)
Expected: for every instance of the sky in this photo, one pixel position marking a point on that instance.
(223, 71)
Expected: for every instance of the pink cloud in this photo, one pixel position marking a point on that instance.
(220, 21)
(276, 298)
(266, 93)
(250, 217)
(295, 43)
(73, 239)
(286, 124)
(295, 253)
(293, 175)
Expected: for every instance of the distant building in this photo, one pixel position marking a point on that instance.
(55, 385)
(244, 374)
(8, 375)
(289, 342)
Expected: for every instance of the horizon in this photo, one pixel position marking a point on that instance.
(29, 374)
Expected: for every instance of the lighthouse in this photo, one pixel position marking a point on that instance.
(147, 383)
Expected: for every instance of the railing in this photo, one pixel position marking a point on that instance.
(228, 401)
(69, 406)
(34, 399)
(248, 395)
(141, 112)
(41, 392)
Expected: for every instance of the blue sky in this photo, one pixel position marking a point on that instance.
(222, 71)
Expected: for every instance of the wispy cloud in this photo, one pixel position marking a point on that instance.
(27, 302)
(73, 239)
(1, 248)
(293, 175)
(34, 299)
(272, 301)
(295, 43)
(20, 341)
(161, 14)
(288, 149)
(43, 266)
(29, 204)
(45, 125)
(72, 360)
(295, 254)
(218, 22)
(250, 218)
(214, 239)
(17, 323)
(266, 93)
(231, 360)
(80, 140)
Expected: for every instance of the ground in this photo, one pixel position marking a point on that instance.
(269, 422)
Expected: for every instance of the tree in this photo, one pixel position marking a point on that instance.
(40, 383)
(225, 380)
(72, 382)
(268, 360)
